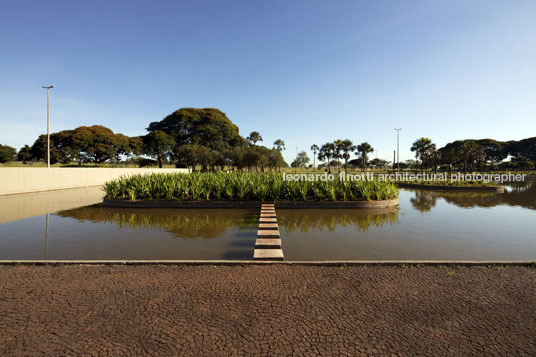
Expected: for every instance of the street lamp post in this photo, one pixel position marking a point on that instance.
(48, 123)
(397, 150)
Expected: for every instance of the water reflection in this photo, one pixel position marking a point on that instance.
(521, 194)
(181, 223)
(301, 220)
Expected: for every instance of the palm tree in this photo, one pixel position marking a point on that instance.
(436, 156)
(347, 146)
(466, 152)
(422, 148)
(327, 152)
(280, 146)
(364, 149)
(254, 137)
(338, 150)
(314, 149)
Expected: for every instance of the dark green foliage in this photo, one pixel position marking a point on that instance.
(206, 127)
(7, 153)
(24, 154)
(158, 144)
(95, 144)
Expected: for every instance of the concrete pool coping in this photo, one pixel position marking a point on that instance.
(257, 262)
(252, 204)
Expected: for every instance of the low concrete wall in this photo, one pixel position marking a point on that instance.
(16, 207)
(16, 180)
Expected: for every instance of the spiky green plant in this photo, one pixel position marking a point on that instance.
(243, 186)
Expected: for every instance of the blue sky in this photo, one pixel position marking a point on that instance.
(303, 71)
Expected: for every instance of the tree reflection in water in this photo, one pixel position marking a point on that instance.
(516, 194)
(185, 223)
(212, 223)
(303, 220)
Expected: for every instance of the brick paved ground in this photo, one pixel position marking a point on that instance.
(267, 310)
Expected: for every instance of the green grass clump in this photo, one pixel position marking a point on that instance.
(241, 186)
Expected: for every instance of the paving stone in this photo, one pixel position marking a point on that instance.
(268, 215)
(264, 226)
(268, 254)
(268, 233)
(270, 243)
(268, 220)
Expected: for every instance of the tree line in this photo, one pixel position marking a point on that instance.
(188, 137)
(207, 139)
(483, 154)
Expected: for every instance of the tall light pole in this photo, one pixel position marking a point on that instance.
(397, 149)
(48, 123)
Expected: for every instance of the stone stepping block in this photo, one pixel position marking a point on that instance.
(268, 254)
(268, 226)
(266, 215)
(268, 220)
(268, 243)
(268, 233)
(271, 205)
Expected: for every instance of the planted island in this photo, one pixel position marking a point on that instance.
(242, 189)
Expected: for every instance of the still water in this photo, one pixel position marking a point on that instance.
(427, 225)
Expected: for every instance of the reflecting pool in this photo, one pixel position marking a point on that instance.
(428, 225)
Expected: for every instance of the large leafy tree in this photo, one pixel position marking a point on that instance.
(24, 154)
(7, 153)
(95, 143)
(207, 127)
(158, 144)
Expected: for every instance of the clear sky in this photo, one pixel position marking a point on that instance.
(303, 71)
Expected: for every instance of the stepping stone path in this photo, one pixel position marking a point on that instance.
(268, 244)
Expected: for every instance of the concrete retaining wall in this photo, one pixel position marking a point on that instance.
(252, 204)
(16, 180)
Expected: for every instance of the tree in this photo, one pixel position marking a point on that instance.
(7, 153)
(159, 144)
(254, 137)
(207, 127)
(275, 159)
(279, 145)
(193, 155)
(338, 151)
(364, 149)
(379, 163)
(422, 148)
(301, 160)
(314, 149)
(84, 144)
(24, 154)
(347, 146)
(327, 153)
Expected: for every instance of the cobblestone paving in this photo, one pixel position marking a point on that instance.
(267, 310)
